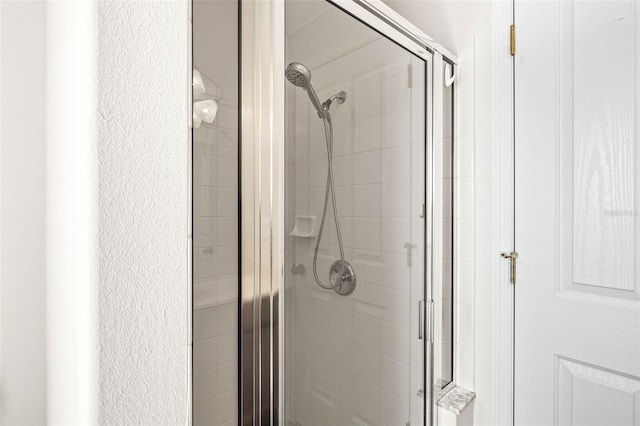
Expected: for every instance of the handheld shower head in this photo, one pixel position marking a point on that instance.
(300, 76)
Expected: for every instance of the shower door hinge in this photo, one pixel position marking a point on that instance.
(512, 40)
(512, 265)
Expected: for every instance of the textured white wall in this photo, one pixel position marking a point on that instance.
(22, 320)
(143, 197)
(117, 211)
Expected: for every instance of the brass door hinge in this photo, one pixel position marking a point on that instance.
(512, 40)
(512, 265)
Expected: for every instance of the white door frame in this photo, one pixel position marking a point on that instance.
(504, 205)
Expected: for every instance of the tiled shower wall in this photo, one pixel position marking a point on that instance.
(215, 270)
(215, 219)
(355, 359)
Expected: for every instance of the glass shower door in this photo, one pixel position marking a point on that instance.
(355, 217)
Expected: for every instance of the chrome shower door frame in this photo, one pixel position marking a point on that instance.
(262, 80)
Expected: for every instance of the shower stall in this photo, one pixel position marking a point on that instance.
(343, 250)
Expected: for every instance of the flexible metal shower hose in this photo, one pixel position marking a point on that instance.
(328, 131)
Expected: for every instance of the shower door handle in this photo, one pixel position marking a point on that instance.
(428, 307)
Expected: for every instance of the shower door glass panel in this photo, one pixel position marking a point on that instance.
(352, 354)
(215, 215)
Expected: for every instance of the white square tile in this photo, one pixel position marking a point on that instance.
(346, 203)
(399, 199)
(227, 141)
(465, 283)
(228, 286)
(375, 76)
(227, 407)
(385, 159)
(367, 234)
(466, 240)
(201, 201)
(227, 117)
(372, 101)
(465, 154)
(375, 133)
(400, 133)
(213, 201)
(399, 272)
(367, 201)
(396, 343)
(305, 309)
(317, 145)
(400, 92)
(205, 355)
(317, 173)
(204, 231)
(205, 385)
(205, 414)
(302, 202)
(465, 367)
(348, 355)
(329, 376)
(399, 380)
(368, 365)
(465, 325)
(300, 147)
(367, 167)
(227, 231)
(399, 308)
(227, 377)
(400, 234)
(227, 202)
(345, 138)
(226, 347)
(226, 318)
(204, 324)
(306, 337)
(306, 364)
(373, 300)
(394, 410)
(367, 332)
(400, 164)
(302, 175)
(417, 164)
(418, 119)
(368, 398)
(226, 172)
(344, 168)
(465, 200)
(201, 170)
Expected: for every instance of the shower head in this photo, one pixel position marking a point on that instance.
(300, 76)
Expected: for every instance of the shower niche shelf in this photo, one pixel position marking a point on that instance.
(305, 227)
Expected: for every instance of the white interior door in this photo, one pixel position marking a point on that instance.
(577, 316)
